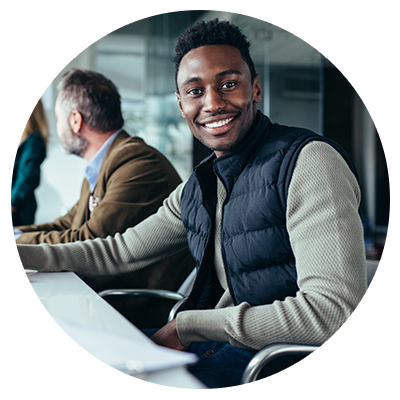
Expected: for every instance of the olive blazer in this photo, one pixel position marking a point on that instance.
(132, 183)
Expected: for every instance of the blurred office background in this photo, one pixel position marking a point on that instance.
(300, 87)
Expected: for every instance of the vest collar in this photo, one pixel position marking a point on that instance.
(229, 166)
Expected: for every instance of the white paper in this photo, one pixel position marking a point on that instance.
(124, 354)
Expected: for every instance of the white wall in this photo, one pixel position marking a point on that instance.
(61, 178)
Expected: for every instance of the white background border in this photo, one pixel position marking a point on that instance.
(38, 38)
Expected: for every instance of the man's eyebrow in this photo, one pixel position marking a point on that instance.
(219, 75)
(228, 72)
(190, 80)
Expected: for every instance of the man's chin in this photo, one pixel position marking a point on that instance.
(76, 148)
(222, 149)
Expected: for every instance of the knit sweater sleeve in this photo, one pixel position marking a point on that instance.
(155, 238)
(326, 236)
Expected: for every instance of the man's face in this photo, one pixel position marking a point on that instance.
(217, 96)
(72, 143)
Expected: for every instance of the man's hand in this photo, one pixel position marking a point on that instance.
(168, 337)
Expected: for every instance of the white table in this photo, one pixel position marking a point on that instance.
(83, 313)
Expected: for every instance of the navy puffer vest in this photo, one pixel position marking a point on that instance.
(259, 262)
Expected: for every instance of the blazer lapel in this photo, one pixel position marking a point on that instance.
(98, 191)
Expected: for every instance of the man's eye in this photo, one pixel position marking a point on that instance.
(194, 92)
(228, 85)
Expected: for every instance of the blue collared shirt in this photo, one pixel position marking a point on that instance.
(93, 168)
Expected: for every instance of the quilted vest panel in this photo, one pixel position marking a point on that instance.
(259, 262)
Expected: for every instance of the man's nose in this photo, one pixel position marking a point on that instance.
(213, 101)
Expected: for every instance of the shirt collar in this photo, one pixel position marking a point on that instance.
(93, 168)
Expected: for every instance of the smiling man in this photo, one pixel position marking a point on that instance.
(217, 96)
(270, 218)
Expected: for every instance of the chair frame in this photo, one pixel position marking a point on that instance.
(259, 360)
(263, 356)
(157, 293)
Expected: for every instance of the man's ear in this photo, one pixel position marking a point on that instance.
(257, 91)
(75, 121)
(180, 104)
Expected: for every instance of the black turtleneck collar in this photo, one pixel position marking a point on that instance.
(246, 146)
(231, 165)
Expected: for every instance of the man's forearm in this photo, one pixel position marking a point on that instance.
(42, 233)
(327, 239)
(152, 240)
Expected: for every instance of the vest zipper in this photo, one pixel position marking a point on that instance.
(205, 241)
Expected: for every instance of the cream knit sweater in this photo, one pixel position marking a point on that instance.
(327, 240)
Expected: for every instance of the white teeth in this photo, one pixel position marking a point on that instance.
(218, 124)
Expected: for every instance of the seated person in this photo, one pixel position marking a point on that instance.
(125, 181)
(26, 173)
(271, 218)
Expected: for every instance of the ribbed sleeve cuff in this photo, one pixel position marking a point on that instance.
(32, 256)
(202, 326)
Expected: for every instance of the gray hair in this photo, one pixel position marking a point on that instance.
(94, 96)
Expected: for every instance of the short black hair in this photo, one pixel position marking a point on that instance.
(213, 32)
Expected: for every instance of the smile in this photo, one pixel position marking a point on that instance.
(218, 124)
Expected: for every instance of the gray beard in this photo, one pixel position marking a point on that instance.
(74, 144)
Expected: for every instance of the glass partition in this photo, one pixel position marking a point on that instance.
(137, 57)
(300, 88)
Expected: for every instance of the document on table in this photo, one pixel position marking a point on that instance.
(124, 354)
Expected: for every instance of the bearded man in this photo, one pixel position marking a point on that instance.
(125, 181)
